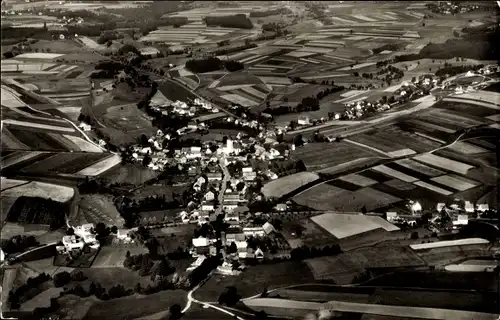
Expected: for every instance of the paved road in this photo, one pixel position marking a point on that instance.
(225, 178)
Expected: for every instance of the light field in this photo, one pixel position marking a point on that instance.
(358, 180)
(419, 167)
(234, 98)
(82, 144)
(455, 182)
(36, 125)
(101, 166)
(282, 186)
(433, 188)
(41, 190)
(347, 225)
(39, 55)
(444, 163)
(394, 173)
(466, 148)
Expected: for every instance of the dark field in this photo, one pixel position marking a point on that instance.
(65, 163)
(38, 211)
(37, 140)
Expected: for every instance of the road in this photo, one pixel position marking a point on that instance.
(205, 304)
(225, 178)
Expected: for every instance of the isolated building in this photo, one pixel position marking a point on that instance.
(73, 243)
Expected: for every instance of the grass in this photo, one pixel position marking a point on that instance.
(347, 225)
(63, 163)
(282, 186)
(101, 166)
(135, 306)
(130, 173)
(95, 208)
(255, 279)
(109, 277)
(343, 267)
(312, 235)
(328, 197)
(110, 257)
(281, 307)
(444, 163)
(321, 155)
(41, 190)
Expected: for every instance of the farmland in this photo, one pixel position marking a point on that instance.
(329, 197)
(256, 278)
(38, 189)
(96, 208)
(282, 186)
(318, 156)
(346, 225)
(342, 268)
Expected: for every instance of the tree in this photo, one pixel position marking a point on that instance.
(101, 230)
(414, 235)
(61, 279)
(70, 232)
(233, 248)
(114, 229)
(175, 312)
(78, 276)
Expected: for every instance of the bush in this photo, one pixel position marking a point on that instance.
(204, 65)
(19, 244)
(414, 235)
(235, 21)
(61, 279)
(232, 65)
(78, 276)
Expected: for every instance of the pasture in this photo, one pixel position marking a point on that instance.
(135, 306)
(40, 190)
(113, 257)
(282, 307)
(255, 279)
(318, 156)
(328, 197)
(343, 267)
(347, 225)
(282, 186)
(311, 234)
(96, 208)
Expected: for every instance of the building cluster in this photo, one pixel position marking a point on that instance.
(83, 236)
(446, 217)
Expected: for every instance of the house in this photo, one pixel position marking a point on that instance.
(246, 170)
(440, 206)
(304, 120)
(196, 263)
(124, 235)
(235, 237)
(268, 228)
(214, 176)
(483, 207)
(259, 254)
(200, 242)
(84, 229)
(249, 176)
(208, 206)
(392, 216)
(469, 207)
(230, 205)
(209, 196)
(254, 232)
(73, 243)
(233, 196)
(281, 207)
(460, 220)
(232, 216)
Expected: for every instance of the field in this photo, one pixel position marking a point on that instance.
(112, 257)
(282, 307)
(40, 190)
(318, 156)
(347, 225)
(329, 197)
(444, 163)
(109, 277)
(123, 122)
(101, 166)
(255, 279)
(129, 173)
(96, 208)
(312, 235)
(135, 306)
(282, 186)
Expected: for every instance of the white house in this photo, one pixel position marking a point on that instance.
(268, 228)
(232, 216)
(124, 235)
(85, 127)
(230, 205)
(303, 120)
(73, 243)
(214, 176)
(254, 232)
(209, 196)
(483, 207)
(392, 216)
(200, 242)
(84, 229)
(2, 255)
(209, 206)
(469, 207)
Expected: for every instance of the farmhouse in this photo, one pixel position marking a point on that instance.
(230, 205)
(214, 176)
(209, 196)
(209, 206)
(124, 235)
(73, 243)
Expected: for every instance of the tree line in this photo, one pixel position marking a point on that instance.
(240, 21)
(212, 64)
